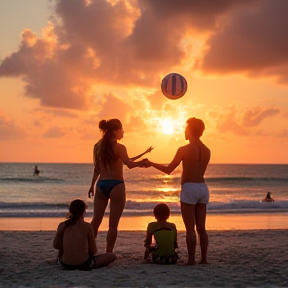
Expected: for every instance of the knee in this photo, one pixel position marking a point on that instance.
(201, 231)
(191, 232)
(113, 227)
(113, 256)
(96, 221)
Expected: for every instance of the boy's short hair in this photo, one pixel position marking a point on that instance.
(196, 126)
(161, 211)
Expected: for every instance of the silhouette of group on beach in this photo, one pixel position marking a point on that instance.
(75, 238)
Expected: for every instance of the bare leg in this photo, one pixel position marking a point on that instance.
(188, 215)
(104, 259)
(117, 203)
(200, 212)
(100, 203)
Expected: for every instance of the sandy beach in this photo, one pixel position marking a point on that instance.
(239, 258)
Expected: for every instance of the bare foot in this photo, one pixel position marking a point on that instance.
(52, 261)
(191, 263)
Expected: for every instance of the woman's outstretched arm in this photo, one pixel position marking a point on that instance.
(127, 161)
(140, 155)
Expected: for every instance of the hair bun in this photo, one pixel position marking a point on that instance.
(103, 125)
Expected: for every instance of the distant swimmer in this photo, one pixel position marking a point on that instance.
(36, 171)
(268, 198)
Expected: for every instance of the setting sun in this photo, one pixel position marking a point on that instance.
(167, 126)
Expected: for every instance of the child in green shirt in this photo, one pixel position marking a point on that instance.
(165, 235)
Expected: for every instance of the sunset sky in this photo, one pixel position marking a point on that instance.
(67, 64)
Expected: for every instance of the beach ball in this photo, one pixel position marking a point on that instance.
(174, 86)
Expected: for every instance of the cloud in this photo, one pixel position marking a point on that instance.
(53, 74)
(93, 47)
(283, 134)
(251, 40)
(253, 117)
(113, 107)
(54, 132)
(56, 112)
(245, 123)
(9, 130)
(136, 124)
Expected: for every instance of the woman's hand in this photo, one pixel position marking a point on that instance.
(149, 149)
(91, 192)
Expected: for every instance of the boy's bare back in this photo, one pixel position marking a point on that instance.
(195, 158)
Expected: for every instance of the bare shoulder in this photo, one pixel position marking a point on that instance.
(173, 226)
(182, 149)
(61, 226)
(119, 145)
(120, 148)
(205, 147)
(87, 225)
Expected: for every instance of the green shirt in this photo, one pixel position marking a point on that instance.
(158, 227)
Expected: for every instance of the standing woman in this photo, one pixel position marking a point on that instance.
(109, 157)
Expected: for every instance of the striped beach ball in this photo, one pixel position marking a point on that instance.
(174, 86)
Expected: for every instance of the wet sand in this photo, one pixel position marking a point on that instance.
(233, 221)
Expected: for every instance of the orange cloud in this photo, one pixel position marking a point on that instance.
(113, 107)
(244, 123)
(253, 117)
(96, 47)
(97, 42)
(251, 40)
(9, 130)
(54, 132)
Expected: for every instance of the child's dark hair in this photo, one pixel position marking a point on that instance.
(161, 211)
(76, 209)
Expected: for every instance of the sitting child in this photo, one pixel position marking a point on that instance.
(165, 235)
(75, 241)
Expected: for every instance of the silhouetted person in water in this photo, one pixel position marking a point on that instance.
(36, 171)
(268, 198)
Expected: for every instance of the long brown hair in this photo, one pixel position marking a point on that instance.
(76, 209)
(104, 150)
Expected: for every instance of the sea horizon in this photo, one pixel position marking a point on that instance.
(235, 190)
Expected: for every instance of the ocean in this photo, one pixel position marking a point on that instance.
(234, 188)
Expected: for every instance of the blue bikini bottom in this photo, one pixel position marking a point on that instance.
(107, 185)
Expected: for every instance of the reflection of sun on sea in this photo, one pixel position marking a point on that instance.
(167, 126)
